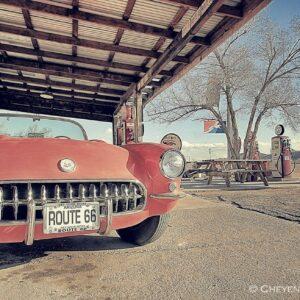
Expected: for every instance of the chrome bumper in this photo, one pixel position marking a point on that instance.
(114, 197)
(174, 196)
(30, 223)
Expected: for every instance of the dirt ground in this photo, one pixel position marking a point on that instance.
(212, 249)
(280, 201)
(296, 173)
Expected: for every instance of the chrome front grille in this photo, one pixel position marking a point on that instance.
(15, 197)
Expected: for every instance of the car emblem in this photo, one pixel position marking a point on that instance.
(67, 165)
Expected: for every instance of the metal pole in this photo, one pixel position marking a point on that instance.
(138, 101)
(114, 129)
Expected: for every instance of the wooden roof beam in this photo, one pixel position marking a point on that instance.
(98, 19)
(68, 85)
(70, 58)
(201, 16)
(65, 99)
(67, 71)
(82, 42)
(32, 103)
(224, 10)
(185, 3)
(222, 32)
(20, 64)
(231, 12)
(74, 94)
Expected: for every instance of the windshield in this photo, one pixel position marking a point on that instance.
(40, 127)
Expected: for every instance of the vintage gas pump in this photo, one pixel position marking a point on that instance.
(125, 125)
(128, 126)
(282, 159)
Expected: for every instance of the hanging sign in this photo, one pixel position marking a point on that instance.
(213, 126)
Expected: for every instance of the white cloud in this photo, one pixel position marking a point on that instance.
(189, 145)
(264, 147)
(108, 130)
(295, 144)
(199, 151)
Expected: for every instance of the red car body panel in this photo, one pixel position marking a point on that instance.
(27, 159)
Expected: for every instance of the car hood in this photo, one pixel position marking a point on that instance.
(37, 159)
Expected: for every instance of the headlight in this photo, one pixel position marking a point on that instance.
(172, 164)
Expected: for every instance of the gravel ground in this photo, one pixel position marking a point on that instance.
(281, 201)
(211, 250)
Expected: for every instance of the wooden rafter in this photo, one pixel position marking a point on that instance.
(62, 84)
(231, 12)
(205, 11)
(82, 42)
(34, 42)
(33, 103)
(222, 32)
(70, 94)
(61, 93)
(28, 23)
(224, 10)
(93, 18)
(120, 32)
(74, 34)
(185, 3)
(67, 71)
(176, 19)
(71, 58)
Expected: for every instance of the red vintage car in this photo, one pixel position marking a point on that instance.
(54, 182)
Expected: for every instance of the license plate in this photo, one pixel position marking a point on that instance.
(70, 217)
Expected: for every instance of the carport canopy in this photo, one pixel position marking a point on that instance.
(95, 55)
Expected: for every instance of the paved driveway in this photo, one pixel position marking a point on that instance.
(211, 250)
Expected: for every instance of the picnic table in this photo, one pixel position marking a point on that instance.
(226, 168)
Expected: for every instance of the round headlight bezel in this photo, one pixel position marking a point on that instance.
(161, 163)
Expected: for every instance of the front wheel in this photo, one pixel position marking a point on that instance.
(146, 232)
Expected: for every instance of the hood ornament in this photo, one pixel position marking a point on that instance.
(67, 165)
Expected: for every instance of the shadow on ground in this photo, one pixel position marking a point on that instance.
(222, 187)
(18, 254)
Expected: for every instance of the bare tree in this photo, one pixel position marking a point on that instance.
(34, 130)
(257, 75)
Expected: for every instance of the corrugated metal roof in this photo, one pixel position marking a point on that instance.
(96, 32)
(53, 24)
(18, 40)
(103, 34)
(129, 59)
(58, 61)
(210, 25)
(21, 55)
(113, 8)
(153, 13)
(136, 39)
(62, 3)
(33, 75)
(92, 53)
(55, 47)
(9, 15)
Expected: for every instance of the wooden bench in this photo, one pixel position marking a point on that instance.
(227, 168)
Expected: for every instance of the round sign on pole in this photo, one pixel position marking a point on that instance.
(279, 129)
(173, 140)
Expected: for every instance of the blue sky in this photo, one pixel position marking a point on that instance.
(196, 143)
